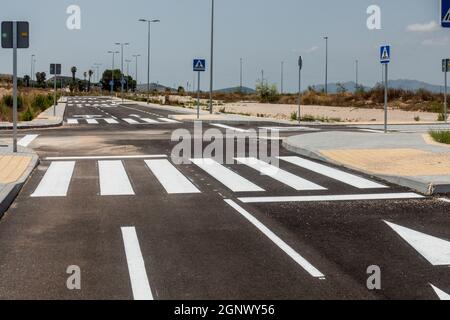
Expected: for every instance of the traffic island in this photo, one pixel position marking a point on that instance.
(15, 168)
(407, 159)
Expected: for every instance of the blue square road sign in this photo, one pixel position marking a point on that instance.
(199, 65)
(385, 54)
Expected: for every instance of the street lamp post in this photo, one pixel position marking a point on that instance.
(149, 22)
(121, 44)
(326, 65)
(211, 69)
(112, 71)
(128, 72)
(357, 63)
(282, 77)
(32, 68)
(136, 56)
(240, 86)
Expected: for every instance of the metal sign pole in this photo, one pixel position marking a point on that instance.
(386, 98)
(15, 87)
(445, 94)
(299, 93)
(198, 96)
(54, 99)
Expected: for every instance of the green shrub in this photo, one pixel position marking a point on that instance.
(294, 116)
(7, 100)
(441, 136)
(417, 118)
(441, 117)
(28, 115)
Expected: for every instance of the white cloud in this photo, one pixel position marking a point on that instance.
(311, 50)
(425, 27)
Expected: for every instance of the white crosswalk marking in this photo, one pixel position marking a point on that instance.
(92, 121)
(168, 120)
(230, 179)
(72, 121)
(136, 265)
(333, 198)
(149, 120)
(25, 141)
(223, 126)
(171, 179)
(280, 175)
(332, 173)
(114, 179)
(56, 180)
(111, 121)
(130, 121)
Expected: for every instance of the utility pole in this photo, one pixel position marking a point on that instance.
(149, 22)
(282, 77)
(356, 88)
(300, 66)
(240, 86)
(121, 67)
(112, 71)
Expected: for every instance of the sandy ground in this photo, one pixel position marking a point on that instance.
(345, 114)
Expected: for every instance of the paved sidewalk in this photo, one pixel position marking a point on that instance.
(15, 168)
(45, 120)
(409, 159)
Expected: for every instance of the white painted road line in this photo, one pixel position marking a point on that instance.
(444, 200)
(332, 173)
(288, 129)
(72, 121)
(168, 120)
(275, 239)
(171, 179)
(443, 296)
(130, 121)
(435, 250)
(136, 265)
(56, 180)
(25, 141)
(111, 121)
(230, 179)
(223, 126)
(150, 120)
(333, 198)
(92, 121)
(145, 156)
(280, 175)
(114, 179)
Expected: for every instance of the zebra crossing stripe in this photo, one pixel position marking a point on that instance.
(168, 120)
(92, 121)
(56, 180)
(149, 120)
(171, 179)
(114, 179)
(111, 121)
(223, 126)
(72, 121)
(130, 121)
(280, 175)
(25, 141)
(332, 173)
(230, 179)
(136, 265)
(307, 266)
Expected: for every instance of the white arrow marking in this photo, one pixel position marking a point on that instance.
(435, 250)
(441, 294)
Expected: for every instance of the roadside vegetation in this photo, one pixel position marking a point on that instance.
(441, 136)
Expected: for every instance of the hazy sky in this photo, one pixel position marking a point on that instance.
(262, 32)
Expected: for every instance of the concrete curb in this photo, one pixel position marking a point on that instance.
(10, 191)
(423, 187)
(31, 125)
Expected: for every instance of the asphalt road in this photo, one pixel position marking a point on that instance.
(109, 198)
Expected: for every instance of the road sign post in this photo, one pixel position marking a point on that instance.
(385, 58)
(445, 69)
(199, 67)
(55, 70)
(300, 65)
(15, 35)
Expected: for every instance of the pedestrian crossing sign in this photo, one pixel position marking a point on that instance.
(199, 65)
(385, 54)
(445, 13)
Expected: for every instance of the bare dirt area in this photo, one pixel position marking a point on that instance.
(334, 114)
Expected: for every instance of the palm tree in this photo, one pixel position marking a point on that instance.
(90, 76)
(74, 72)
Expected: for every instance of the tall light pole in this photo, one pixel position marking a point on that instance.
(149, 22)
(97, 66)
(240, 82)
(121, 44)
(211, 68)
(356, 63)
(112, 70)
(136, 56)
(326, 65)
(300, 66)
(31, 72)
(282, 76)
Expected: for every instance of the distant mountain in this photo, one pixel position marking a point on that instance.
(245, 90)
(405, 84)
(154, 86)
